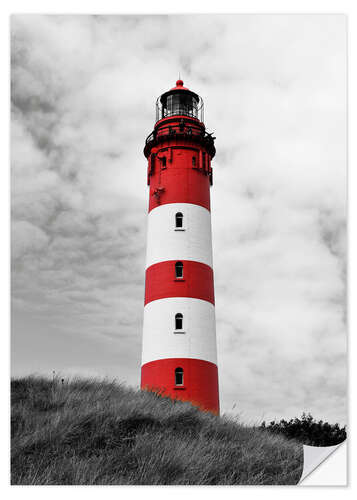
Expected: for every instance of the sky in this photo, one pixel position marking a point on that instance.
(83, 101)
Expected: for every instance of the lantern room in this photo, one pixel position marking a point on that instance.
(179, 117)
(179, 101)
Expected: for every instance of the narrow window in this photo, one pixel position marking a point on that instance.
(163, 161)
(152, 163)
(179, 270)
(178, 321)
(179, 220)
(193, 161)
(179, 376)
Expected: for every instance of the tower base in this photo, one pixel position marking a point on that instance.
(200, 381)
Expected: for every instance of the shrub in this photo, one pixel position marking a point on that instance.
(308, 431)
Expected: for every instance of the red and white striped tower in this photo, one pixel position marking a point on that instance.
(179, 339)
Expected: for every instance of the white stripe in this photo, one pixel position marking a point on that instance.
(199, 325)
(166, 243)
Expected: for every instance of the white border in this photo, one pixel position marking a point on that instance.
(184, 6)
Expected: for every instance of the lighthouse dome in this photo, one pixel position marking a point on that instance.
(179, 101)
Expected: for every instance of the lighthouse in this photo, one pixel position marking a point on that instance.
(179, 357)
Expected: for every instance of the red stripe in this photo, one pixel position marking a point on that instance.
(179, 183)
(161, 282)
(200, 381)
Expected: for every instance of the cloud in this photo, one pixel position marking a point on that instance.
(83, 94)
(27, 238)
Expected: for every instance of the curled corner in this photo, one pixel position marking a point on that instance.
(314, 456)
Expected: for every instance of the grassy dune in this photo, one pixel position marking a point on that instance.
(97, 432)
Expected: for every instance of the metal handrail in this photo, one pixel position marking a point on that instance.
(175, 129)
(187, 131)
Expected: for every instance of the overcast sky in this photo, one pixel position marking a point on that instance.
(83, 102)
